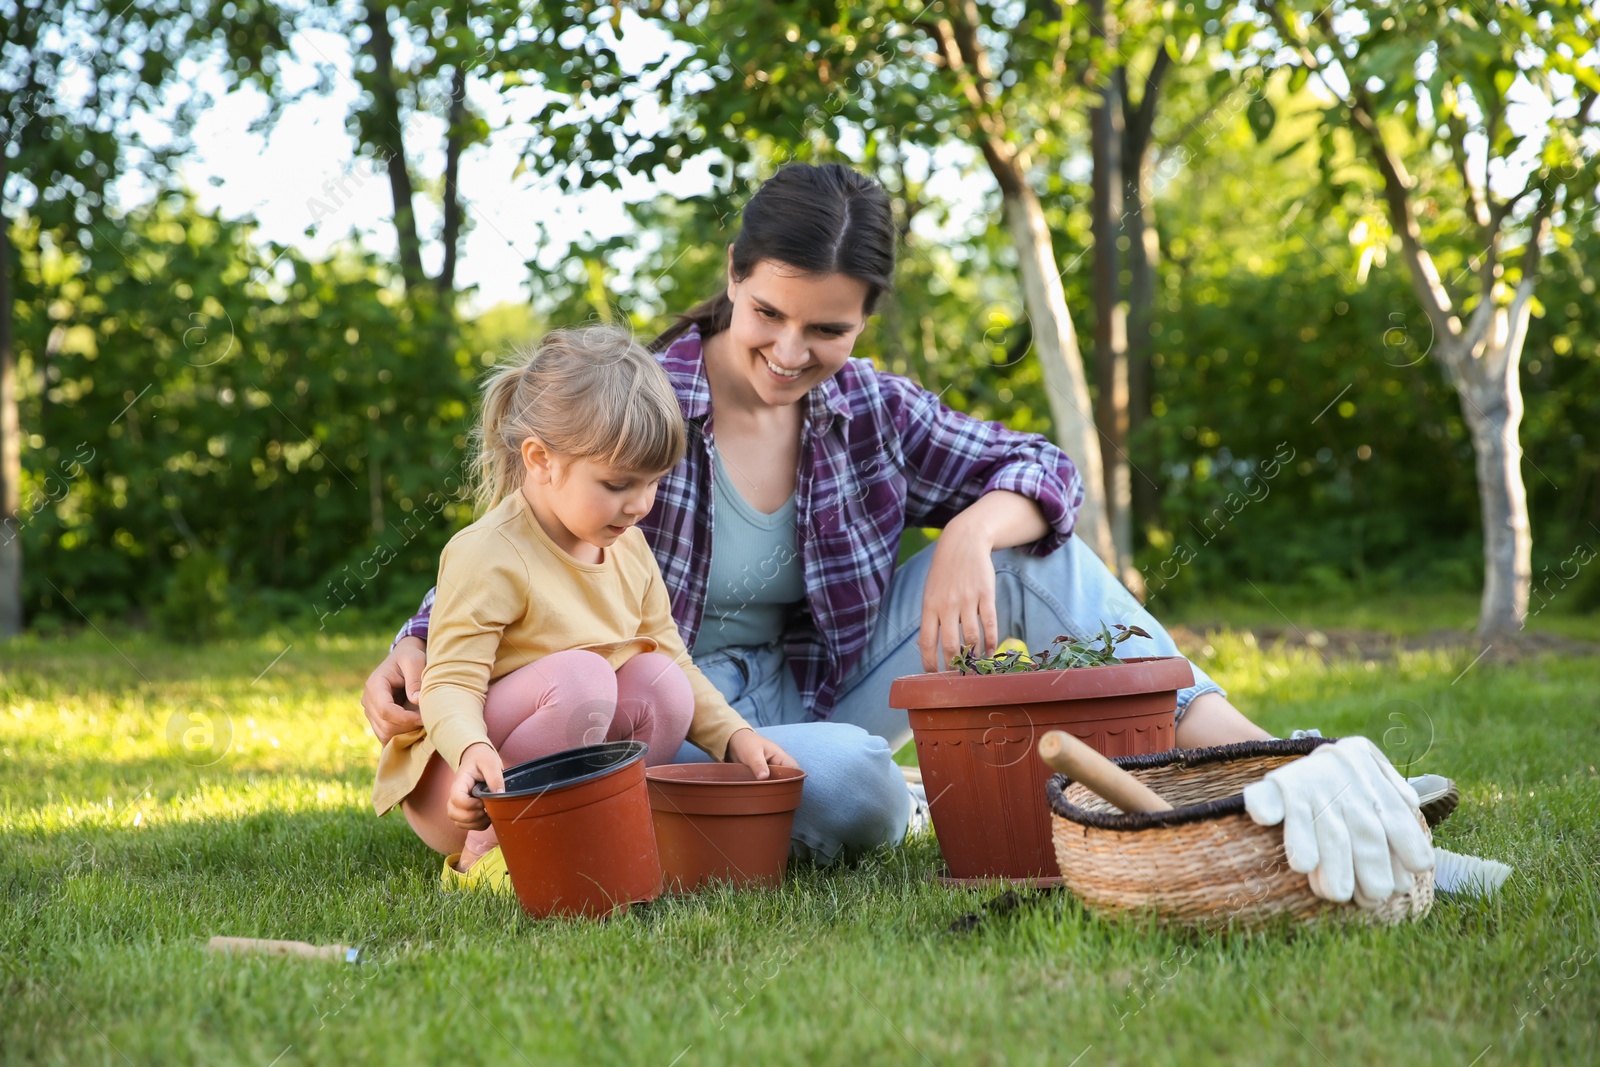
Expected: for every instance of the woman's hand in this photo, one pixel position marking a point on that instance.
(958, 599)
(756, 752)
(479, 763)
(394, 690)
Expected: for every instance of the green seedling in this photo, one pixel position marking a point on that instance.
(1064, 653)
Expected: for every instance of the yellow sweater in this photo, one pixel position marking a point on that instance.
(507, 596)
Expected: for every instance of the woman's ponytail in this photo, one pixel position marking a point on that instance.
(711, 316)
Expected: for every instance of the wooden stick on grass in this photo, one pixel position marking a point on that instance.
(268, 947)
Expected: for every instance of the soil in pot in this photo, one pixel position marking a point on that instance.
(976, 738)
(716, 823)
(576, 831)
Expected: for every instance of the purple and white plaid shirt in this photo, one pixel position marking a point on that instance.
(878, 453)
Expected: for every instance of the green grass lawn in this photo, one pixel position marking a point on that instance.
(153, 795)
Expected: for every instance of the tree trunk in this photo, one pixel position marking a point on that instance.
(455, 139)
(1490, 387)
(10, 447)
(1042, 293)
(1144, 253)
(926, 360)
(893, 334)
(1057, 344)
(375, 484)
(391, 143)
(1482, 359)
(1110, 323)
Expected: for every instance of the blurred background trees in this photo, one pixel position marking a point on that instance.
(1164, 234)
(74, 77)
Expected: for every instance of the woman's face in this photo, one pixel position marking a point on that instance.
(791, 330)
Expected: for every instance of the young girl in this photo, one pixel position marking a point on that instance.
(553, 628)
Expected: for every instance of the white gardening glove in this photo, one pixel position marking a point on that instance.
(1399, 848)
(1349, 822)
(1302, 796)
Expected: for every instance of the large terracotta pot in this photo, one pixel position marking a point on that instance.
(976, 736)
(716, 823)
(576, 831)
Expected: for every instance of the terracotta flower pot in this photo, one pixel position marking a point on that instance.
(576, 831)
(716, 823)
(976, 736)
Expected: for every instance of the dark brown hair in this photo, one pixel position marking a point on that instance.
(824, 219)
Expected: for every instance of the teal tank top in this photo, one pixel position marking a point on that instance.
(756, 573)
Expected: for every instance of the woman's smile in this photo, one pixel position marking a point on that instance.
(780, 373)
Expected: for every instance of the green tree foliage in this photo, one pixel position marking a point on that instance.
(1269, 335)
(73, 75)
(216, 431)
(885, 74)
(277, 423)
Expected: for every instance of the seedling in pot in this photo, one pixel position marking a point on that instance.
(1064, 653)
(975, 739)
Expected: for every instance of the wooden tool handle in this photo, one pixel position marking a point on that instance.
(1083, 764)
(283, 948)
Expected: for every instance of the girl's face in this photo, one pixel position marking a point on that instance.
(791, 330)
(584, 501)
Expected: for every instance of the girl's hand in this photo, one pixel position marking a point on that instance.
(394, 690)
(958, 605)
(756, 752)
(479, 763)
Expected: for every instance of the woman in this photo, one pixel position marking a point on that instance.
(778, 533)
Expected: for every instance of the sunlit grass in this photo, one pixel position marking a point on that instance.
(152, 796)
(1411, 613)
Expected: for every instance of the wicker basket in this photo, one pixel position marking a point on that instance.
(1205, 863)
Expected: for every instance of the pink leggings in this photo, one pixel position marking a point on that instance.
(565, 700)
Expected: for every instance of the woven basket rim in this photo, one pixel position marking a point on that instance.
(1188, 757)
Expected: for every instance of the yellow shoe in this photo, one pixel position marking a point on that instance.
(488, 873)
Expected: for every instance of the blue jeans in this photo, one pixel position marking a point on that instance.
(855, 797)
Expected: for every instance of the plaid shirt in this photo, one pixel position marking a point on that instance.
(878, 453)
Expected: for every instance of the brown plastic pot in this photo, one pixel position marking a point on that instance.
(576, 831)
(976, 736)
(716, 823)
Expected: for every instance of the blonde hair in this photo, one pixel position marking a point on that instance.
(591, 392)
